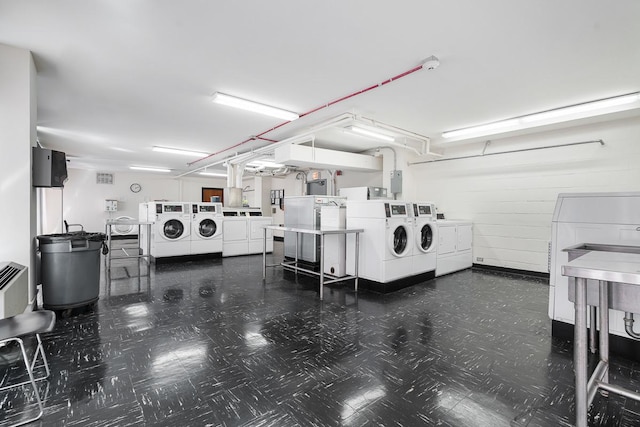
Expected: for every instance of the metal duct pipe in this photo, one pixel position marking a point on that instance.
(304, 182)
(395, 155)
(628, 325)
(332, 174)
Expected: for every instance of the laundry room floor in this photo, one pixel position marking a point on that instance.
(206, 343)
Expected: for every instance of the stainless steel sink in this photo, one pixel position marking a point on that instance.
(583, 248)
(622, 296)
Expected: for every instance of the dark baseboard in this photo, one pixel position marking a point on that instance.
(511, 271)
(625, 347)
(124, 237)
(405, 282)
(185, 258)
(365, 284)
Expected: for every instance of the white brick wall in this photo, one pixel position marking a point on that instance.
(510, 197)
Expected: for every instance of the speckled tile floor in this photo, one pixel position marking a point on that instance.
(206, 344)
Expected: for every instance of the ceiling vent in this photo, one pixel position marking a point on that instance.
(104, 178)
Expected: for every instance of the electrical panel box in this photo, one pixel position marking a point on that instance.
(396, 182)
(111, 205)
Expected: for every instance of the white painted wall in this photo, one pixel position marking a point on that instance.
(84, 199)
(17, 136)
(511, 197)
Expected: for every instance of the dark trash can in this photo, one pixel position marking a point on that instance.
(70, 269)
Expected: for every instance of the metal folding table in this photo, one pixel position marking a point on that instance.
(322, 232)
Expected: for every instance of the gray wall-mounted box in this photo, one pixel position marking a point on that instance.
(396, 182)
(49, 167)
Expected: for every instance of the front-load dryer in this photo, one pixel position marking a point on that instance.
(206, 228)
(172, 229)
(425, 255)
(386, 244)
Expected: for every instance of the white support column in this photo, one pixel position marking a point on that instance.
(17, 136)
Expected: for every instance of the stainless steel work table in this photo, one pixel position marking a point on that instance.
(293, 265)
(608, 268)
(139, 254)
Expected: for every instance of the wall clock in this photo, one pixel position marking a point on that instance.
(135, 187)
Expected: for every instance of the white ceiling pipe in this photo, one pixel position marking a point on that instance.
(298, 139)
(307, 136)
(424, 141)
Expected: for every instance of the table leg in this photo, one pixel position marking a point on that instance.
(108, 226)
(321, 267)
(604, 325)
(580, 351)
(357, 258)
(149, 247)
(592, 328)
(296, 258)
(264, 256)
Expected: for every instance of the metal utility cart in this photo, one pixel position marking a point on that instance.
(130, 251)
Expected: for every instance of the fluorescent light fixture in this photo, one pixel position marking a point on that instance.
(264, 163)
(213, 174)
(558, 115)
(582, 108)
(371, 133)
(244, 104)
(180, 151)
(144, 168)
(501, 126)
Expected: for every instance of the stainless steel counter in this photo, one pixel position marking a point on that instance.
(611, 266)
(322, 232)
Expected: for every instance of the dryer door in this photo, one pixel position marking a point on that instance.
(400, 241)
(425, 238)
(173, 229)
(207, 228)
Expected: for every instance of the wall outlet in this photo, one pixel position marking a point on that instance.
(479, 259)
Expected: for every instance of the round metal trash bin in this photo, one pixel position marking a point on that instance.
(70, 269)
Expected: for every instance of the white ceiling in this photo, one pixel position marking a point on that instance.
(117, 77)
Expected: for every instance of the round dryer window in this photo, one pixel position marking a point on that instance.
(399, 240)
(173, 229)
(426, 237)
(207, 227)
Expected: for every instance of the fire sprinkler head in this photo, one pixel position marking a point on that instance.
(431, 63)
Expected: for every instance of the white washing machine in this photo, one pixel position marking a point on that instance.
(206, 228)
(425, 255)
(386, 245)
(170, 234)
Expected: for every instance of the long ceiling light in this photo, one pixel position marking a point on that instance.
(244, 104)
(558, 115)
(371, 133)
(264, 163)
(179, 151)
(144, 168)
(213, 174)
